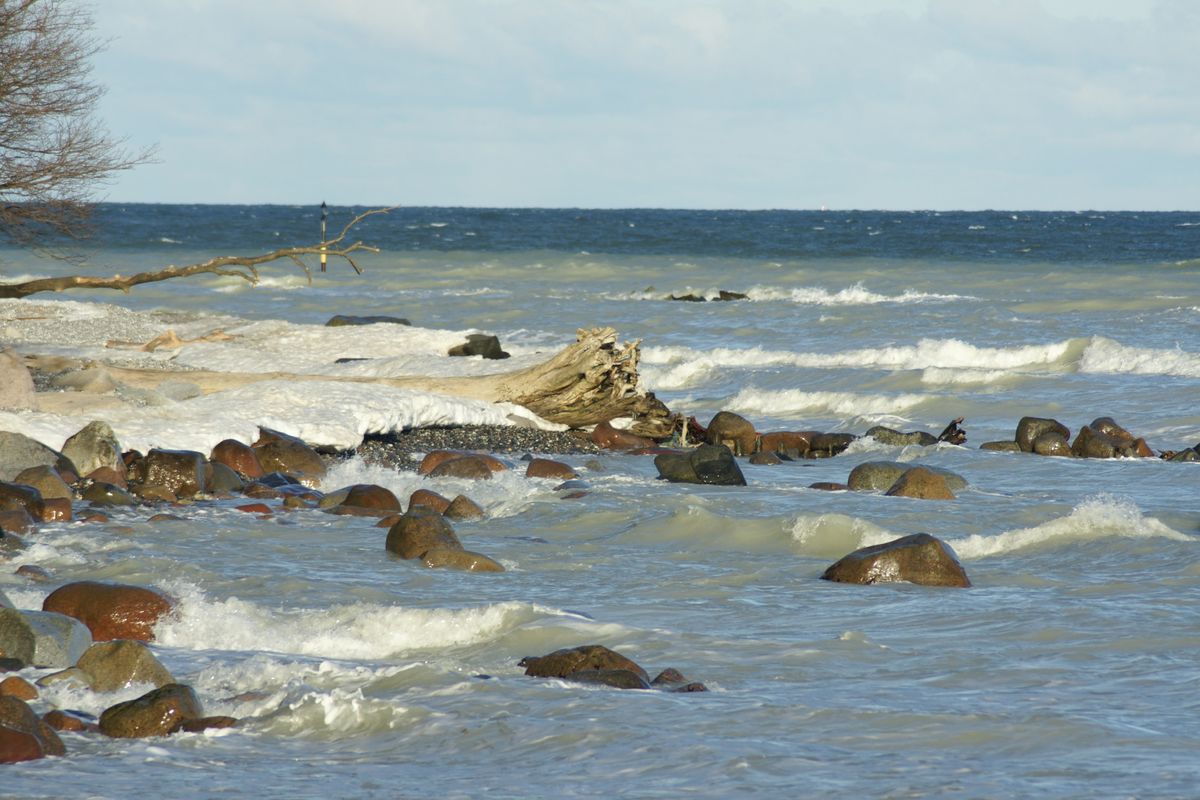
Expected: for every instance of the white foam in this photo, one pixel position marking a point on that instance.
(1099, 517)
(795, 402)
(856, 295)
(1106, 356)
(835, 535)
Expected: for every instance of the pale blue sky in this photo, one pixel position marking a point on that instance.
(1047, 104)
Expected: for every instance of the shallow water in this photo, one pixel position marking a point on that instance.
(1068, 670)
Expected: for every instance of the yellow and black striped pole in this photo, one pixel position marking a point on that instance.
(324, 215)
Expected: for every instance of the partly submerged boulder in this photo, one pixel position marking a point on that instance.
(882, 475)
(710, 463)
(111, 610)
(919, 558)
(156, 713)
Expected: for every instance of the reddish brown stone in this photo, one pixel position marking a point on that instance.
(371, 497)
(180, 471)
(919, 558)
(16, 521)
(547, 468)
(787, 442)
(734, 431)
(18, 687)
(16, 717)
(94, 516)
(17, 746)
(19, 497)
(279, 452)
(254, 508)
(388, 521)
(56, 509)
(63, 721)
(111, 611)
(205, 723)
(156, 713)
(438, 457)
(421, 529)
(610, 438)
(425, 497)
(238, 456)
(562, 663)
(829, 486)
(472, 467)
(109, 475)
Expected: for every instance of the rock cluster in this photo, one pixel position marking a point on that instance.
(596, 664)
(1103, 438)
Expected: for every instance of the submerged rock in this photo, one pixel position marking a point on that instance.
(420, 530)
(919, 558)
(156, 713)
(562, 663)
(710, 463)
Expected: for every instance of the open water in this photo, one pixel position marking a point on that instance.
(1070, 669)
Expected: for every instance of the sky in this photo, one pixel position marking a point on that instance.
(801, 104)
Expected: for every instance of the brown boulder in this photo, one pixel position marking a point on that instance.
(827, 445)
(829, 486)
(734, 431)
(920, 559)
(790, 443)
(181, 472)
(610, 438)
(615, 678)
(470, 467)
(1093, 444)
(371, 498)
(18, 687)
(279, 452)
(23, 736)
(547, 468)
(922, 484)
(1030, 428)
(457, 558)
(65, 721)
(765, 458)
(19, 497)
(238, 456)
(427, 497)
(111, 476)
(110, 610)
(420, 530)
(463, 508)
(46, 480)
(1051, 443)
(562, 663)
(156, 713)
(110, 666)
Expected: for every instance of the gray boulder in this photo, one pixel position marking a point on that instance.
(1030, 428)
(94, 446)
(114, 665)
(882, 475)
(711, 463)
(43, 638)
(16, 384)
(18, 452)
(895, 438)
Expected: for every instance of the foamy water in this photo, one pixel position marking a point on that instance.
(1068, 670)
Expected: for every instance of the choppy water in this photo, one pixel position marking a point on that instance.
(1069, 670)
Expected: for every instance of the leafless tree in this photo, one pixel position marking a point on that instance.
(54, 154)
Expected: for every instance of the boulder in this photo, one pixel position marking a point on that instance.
(426, 497)
(611, 438)
(13, 522)
(42, 638)
(615, 678)
(548, 468)
(279, 452)
(463, 508)
(93, 447)
(1001, 447)
(18, 687)
(790, 443)
(479, 344)
(16, 384)
(1109, 427)
(436, 458)
(20, 497)
(562, 663)
(110, 610)
(827, 445)
(71, 721)
(156, 713)
(470, 467)
(1030, 428)
(179, 471)
(47, 481)
(765, 459)
(710, 463)
(371, 498)
(110, 475)
(1052, 443)
(881, 475)
(110, 666)
(420, 530)
(921, 483)
(895, 438)
(1093, 444)
(457, 558)
(341, 320)
(106, 494)
(222, 479)
(919, 558)
(23, 736)
(734, 431)
(238, 456)
(18, 452)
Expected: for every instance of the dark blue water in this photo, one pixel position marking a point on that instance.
(1022, 236)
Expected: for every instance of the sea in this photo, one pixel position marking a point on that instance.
(1070, 669)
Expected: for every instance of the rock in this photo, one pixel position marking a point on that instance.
(33, 573)
(1187, 454)
(611, 438)
(90, 380)
(920, 559)
(340, 320)
(73, 677)
(790, 443)
(1092, 444)
(93, 447)
(179, 471)
(11, 522)
(11, 664)
(547, 468)
(222, 480)
(463, 508)
(1001, 447)
(56, 509)
(238, 456)
(765, 459)
(734, 431)
(205, 723)
(710, 463)
(18, 687)
(616, 678)
(371, 498)
(470, 467)
(1030, 428)
(921, 483)
(890, 437)
(156, 713)
(109, 475)
(672, 680)
(827, 445)
(16, 383)
(1051, 443)
(110, 610)
(457, 558)
(724, 295)
(19, 497)
(18, 452)
(47, 481)
(426, 497)
(1109, 427)
(479, 344)
(72, 722)
(42, 638)
(829, 486)
(279, 452)
(24, 737)
(110, 666)
(562, 663)
(106, 494)
(420, 530)
(688, 298)
(881, 475)
(436, 458)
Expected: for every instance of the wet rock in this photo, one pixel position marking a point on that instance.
(920, 559)
(463, 508)
(427, 497)
(790, 443)
(548, 468)
(828, 445)
(734, 431)
(33, 573)
(1001, 447)
(1093, 444)
(109, 475)
(437, 458)
(615, 678)
(239, 457)
(881, 475)
(16, 382)
(371, 498)
(479, 344)
(93, 447)
(18, 687)
(611, 438)
(47, 481)
(723, 295)
(153, 493)
(457, 558)
(41, 638)
(70, 721)
(1030, 428)
(156, 713)
(672, 680)
(18, 452)
(469, 467)
(921, 483)
(181, 472)
(829, 486)
(110, 666)
(420, 530)
(340, 320)
(765, 459)
(204, 724)
(711, 464)
(20, 497)
(11, 523)
(23, 736)
(1052, 443)
(562, 663)
(279, 452)
(110, 610)
(222, 480)
(895, 438)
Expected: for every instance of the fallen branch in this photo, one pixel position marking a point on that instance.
(244, 267)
